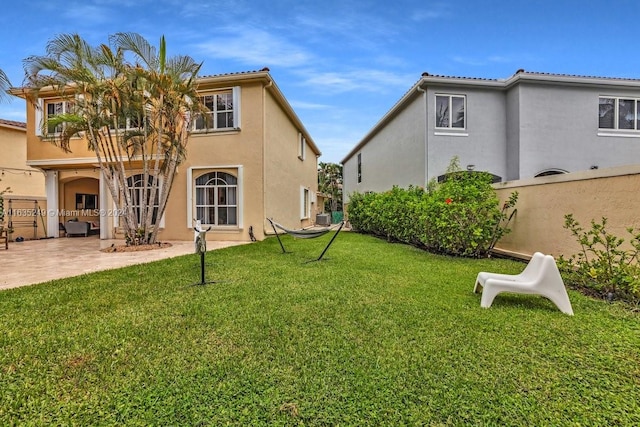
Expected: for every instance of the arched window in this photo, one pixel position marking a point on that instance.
(138, 189)
(216, 199)
(548, 172)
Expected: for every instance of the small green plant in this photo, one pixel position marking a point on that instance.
(603, 266)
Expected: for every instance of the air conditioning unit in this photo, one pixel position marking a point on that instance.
(323, 219)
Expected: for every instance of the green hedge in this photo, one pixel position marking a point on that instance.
(460, 216)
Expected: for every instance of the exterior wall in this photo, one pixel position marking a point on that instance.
(559, 129)
(543, 202)
(483, 142)
(393, 156)
(515, 128)
(24, 181)
(285, 173)
(237, 152)
(513, 134)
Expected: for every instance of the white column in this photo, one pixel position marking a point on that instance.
(104, 204)
(51, 188)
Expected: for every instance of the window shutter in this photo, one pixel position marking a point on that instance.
(39, 115)
(236, 107)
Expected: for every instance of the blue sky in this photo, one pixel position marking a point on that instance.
(342, 64)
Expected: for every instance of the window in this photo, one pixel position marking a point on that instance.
(359, 168)
(305, 203)
(220, 112)
(53, 109)
(138, 191)
(216, 199)
(618, 113)
(302, 146)
(450, 111)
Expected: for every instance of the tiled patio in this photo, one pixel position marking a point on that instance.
(36, 261)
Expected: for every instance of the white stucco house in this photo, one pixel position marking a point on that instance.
(528, 125)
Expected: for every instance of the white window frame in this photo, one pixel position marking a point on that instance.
(302, 146)
(42, 114)
(305, 203)
(214, 204)
(191, 192)
(616, 120)
(235, 99)
(450, 126)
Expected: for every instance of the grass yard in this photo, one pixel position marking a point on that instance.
(379, 334)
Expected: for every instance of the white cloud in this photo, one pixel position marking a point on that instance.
(302, 105)
(255, 47)
(362, 80)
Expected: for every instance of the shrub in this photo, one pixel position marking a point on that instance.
(602, 266)
(460, 216)
(463, 216)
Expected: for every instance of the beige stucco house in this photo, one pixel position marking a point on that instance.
(257, 161)
(26, 198)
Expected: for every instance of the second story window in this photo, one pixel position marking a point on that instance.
(302, 146)
(618, 113)
(51, 110)
(359, 168)
(451, 111)
(220, 112)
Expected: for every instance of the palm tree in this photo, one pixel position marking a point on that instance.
(4, 86)
(132, 103)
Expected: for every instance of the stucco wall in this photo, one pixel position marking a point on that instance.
(483, 142)
(393, 156)
(285, 173)
(543, 202)
(23, 180)
(559, 129)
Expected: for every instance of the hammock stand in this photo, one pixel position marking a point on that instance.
(308, 233)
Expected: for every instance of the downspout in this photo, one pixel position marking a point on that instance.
(426, 134)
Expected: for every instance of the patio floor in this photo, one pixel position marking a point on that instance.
(36, 261)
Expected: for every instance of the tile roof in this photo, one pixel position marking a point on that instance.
(535, 73)
(13, 123)
(237, 73)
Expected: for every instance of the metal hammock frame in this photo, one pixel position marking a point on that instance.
(305, 233)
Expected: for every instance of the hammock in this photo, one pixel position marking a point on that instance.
(305, 233)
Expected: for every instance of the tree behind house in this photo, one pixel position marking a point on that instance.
(133, 105)
(330, 183)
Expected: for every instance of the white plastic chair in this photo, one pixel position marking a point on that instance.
(540, 277)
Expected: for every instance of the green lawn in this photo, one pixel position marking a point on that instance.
(378, 334)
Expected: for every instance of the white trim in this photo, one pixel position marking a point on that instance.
(81, 161)
(239, 195)
(622, 134)
(305, 208)
(39, 109)
(302, 146)
(236, 95)
(450, 133)
(104, 220)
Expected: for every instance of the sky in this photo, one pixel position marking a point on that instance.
(342, 64)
